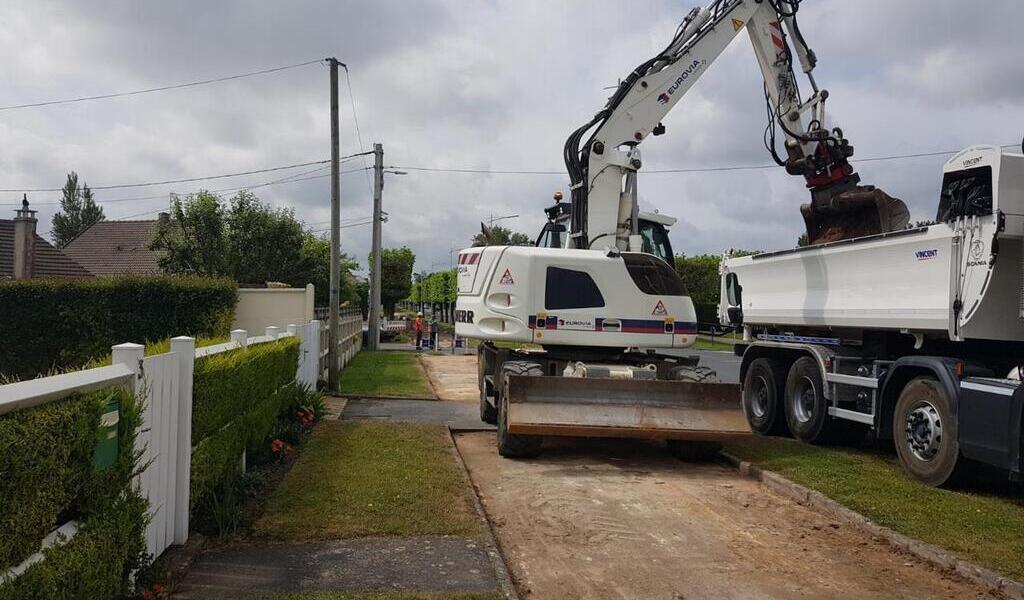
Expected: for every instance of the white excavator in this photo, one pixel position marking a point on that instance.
(605, 289)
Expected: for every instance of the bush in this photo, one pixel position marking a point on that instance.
(46, 456)
(54, 324)
(237, 399)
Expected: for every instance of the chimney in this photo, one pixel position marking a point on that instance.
(24, 240)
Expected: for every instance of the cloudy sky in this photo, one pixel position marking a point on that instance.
(478, 85)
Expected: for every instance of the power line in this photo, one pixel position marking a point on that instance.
(217, 191)
(688, 170)
(355, 120)
(188, 179)
(159, 89)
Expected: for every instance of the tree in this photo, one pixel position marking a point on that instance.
(193, 239)
(396, 276)
(700, 273)
(264, 243)
(802, 241)
(500, 236)
(78, 212)
(248, 241)
(317, 251)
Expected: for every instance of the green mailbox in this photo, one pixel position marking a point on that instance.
(105, 453)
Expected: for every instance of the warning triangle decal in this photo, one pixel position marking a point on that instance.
(506, 279)
(737, 24)
(659, 309)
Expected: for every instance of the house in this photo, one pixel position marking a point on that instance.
(117, 248)
(24, 255)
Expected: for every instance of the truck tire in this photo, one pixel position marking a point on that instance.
(926, 433)
(694, 374)
(805, 405)
(509, 445)
(485, 366)
(762, 396)
(693, 451)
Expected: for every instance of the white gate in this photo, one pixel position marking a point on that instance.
(309, 353)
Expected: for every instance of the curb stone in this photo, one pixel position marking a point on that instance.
(929, 553)
(505, 585)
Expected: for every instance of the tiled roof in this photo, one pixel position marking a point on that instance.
(116, 248)
(48, 262)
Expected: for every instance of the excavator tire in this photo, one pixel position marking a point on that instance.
(485, 366)
(694, 374)
(510, 445)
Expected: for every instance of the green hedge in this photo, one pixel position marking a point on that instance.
(49, 478)
(56, 324)
(235, 408)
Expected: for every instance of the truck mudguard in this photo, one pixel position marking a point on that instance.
(901, 372)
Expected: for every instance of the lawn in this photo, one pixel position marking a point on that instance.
(722, 343)
(384, 374)
(356, 479)
(983, 523)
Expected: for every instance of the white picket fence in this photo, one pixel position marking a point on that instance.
(165, 383)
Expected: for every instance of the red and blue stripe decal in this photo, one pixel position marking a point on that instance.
(628, 325)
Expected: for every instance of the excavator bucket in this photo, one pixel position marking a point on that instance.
(628, 408)
(857, 212)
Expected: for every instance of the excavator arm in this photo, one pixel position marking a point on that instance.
(603, 168)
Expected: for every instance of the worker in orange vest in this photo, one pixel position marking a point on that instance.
(419, 329)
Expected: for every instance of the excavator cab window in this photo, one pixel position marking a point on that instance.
(966, 193)
(552, 236)
(655, 240)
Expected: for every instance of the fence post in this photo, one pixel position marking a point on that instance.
(293, 329)
(272, 331)
(185, 348)
(129, 355)
(240, 337)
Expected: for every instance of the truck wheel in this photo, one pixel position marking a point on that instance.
(762, 387)
(805, 404)
(691, 451)
(694, 374)
(509, 445)
(925, 432)
(485, 366)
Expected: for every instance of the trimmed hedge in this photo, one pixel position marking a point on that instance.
(48, 478)
(236, 405)
(56, 324)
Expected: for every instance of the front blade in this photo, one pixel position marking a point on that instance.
(598, 407)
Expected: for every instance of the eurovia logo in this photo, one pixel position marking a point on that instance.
(926, 254)
(663, 98)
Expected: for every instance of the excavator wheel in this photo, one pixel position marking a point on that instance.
(485, 366)
(694, 374)
(510, 445)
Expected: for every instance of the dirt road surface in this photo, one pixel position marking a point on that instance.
(614, 519)
(453, 377)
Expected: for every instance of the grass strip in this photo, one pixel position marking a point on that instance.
(984, 524)
(358, 478)
(384, 374)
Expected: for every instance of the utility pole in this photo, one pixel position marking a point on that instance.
(334, 303)
(373, 333)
